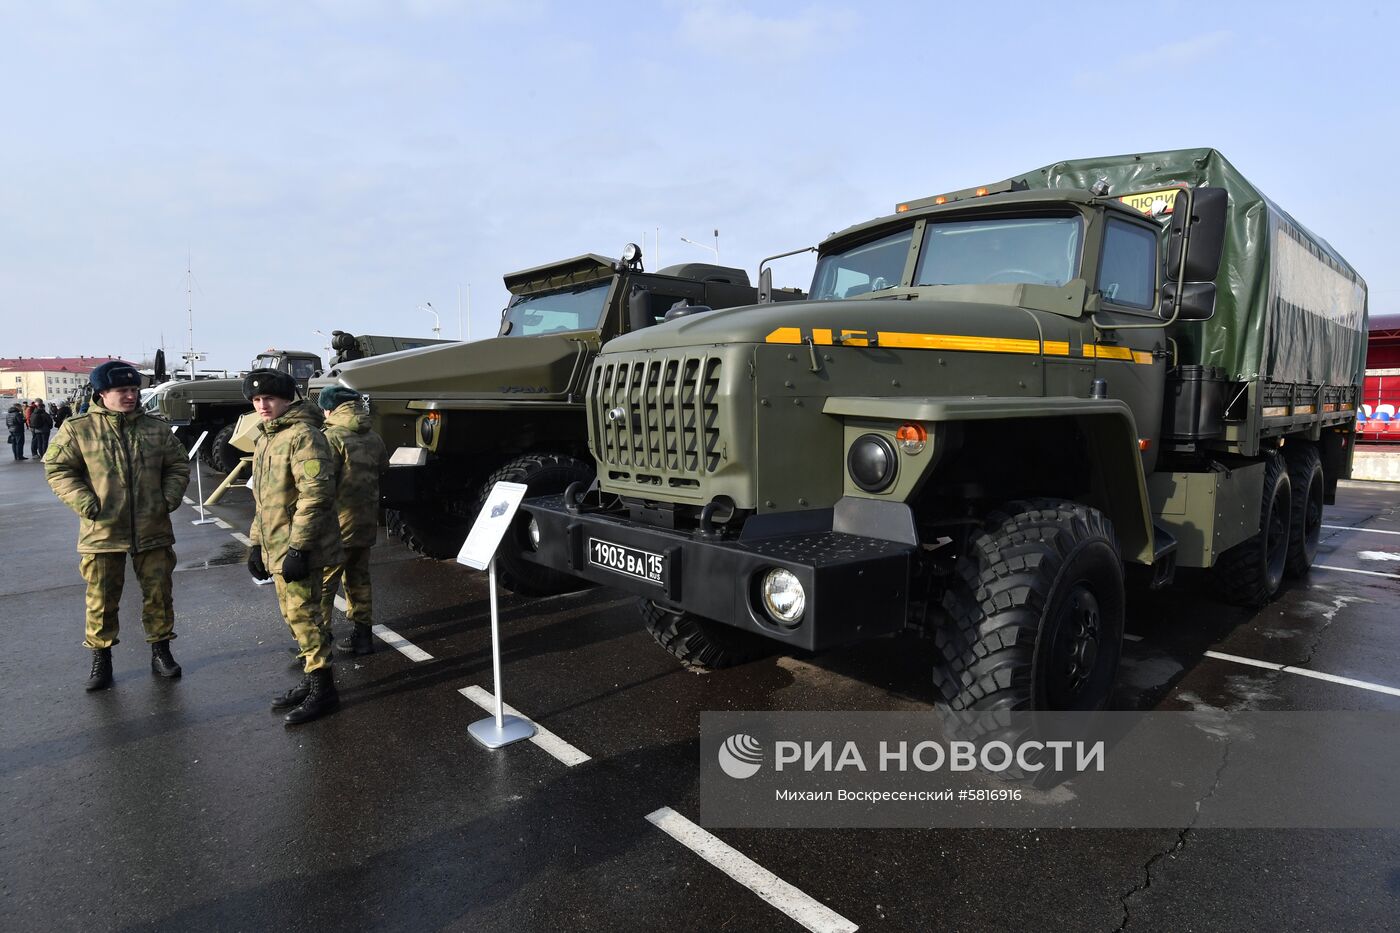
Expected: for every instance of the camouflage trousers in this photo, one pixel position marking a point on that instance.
(106, 577)
(359, 602)
(300, 602)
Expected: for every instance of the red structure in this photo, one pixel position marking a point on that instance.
(1380, 396)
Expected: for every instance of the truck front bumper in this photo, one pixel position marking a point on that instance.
(855, 587)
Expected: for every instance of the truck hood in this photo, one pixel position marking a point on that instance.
(543, 368)
(940, 310)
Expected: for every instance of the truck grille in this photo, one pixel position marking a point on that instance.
(658, 415)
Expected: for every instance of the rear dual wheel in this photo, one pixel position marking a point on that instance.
(1306, 479)
(1251, 573)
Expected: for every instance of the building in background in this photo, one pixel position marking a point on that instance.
(51, 378)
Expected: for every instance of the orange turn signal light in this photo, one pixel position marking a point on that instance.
(911, 437)
(981, 192)
(901, 208)
(941, 199)
(1144, 443)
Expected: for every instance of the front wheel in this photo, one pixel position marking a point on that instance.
(1035, 612)
(223, 456)
(699, 643)
(545, 474)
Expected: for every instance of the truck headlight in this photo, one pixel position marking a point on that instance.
(783, 596)
(872, 462)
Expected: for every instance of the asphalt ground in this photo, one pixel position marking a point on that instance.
(188, 805)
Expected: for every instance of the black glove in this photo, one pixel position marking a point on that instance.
(294, 566)
(255, 563)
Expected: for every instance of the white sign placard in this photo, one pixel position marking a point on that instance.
(199, 440)
(491, 525)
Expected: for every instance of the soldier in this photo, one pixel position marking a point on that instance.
(360, 458)
(123, 472)
(294, 534)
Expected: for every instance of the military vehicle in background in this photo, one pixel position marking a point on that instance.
(214, 405)
(459, 418)
(995, 403)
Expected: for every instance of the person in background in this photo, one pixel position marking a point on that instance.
(40, 424)
(65, 411)
(294, 533)
(14, 423)
(360, 457)
(123, 472)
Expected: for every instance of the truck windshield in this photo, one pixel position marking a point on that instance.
(1033, 250)
(556, 312)
(869, 267)
(267, 362)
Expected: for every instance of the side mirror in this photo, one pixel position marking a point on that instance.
(1197, 301)
(1207, 220)
(639, 309)
(765, 286)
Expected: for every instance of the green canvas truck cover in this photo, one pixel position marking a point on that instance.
(1289, 308)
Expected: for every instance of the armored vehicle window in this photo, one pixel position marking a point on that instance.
(868, 267)
(301, 369)
(1128, 270)
(556, 312)
(1032, 250)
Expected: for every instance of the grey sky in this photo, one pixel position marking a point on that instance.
(337, 163)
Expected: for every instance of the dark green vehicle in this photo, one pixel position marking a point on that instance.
(215, 405)
(459, 418)
(996, 405)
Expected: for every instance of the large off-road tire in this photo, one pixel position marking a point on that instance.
(545, 474)
(222, 455)
(701, 644)
(1250, 573)
(1305, 524)
(1034, 613)
(427, 532)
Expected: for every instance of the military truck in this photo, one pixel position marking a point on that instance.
(214, 405)
(459, 418)
(997, 404)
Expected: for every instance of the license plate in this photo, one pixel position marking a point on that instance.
(631, 561)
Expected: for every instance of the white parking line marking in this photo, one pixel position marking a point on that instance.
(222, 524)
(247, 541)
(341, 604)
(406, 648)
(545, 739)
(187, 500)
(1130, 637)
(1377, 555)
(1317, 675)
(792, 901)
(1369, 573)
(1373, 531)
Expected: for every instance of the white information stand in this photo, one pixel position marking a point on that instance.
(479, 553)
(204, 518)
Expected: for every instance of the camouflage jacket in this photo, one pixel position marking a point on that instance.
(294, 489)
(123, 474)
(360, 457)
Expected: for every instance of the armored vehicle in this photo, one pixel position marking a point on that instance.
(997, 403)
(459, 418)
(214, 405)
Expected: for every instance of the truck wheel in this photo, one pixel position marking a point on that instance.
(222, 455)
(1250, 573)
(1305, 476)
(1035, 612)
(426, 532)
(701, 644)
(544, 474)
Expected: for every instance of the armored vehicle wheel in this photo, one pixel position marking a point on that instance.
(222, 455)
(699, 643)
(544, 474)
(428, 532)
(1305, 476)
(1035, 612)
(1250, 573)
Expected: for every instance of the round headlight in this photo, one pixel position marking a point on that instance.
(534, 532)
(783, 596)
(872, 462)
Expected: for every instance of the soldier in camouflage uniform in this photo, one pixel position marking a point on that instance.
(123, 472)
(294, 534)
(360, 457)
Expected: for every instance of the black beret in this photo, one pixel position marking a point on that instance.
(269, 382)
(114, 375)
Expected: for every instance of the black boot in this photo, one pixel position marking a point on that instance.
(162, 661)
(101, 676)
(293, 697)
(361, 640)
(321, 700)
